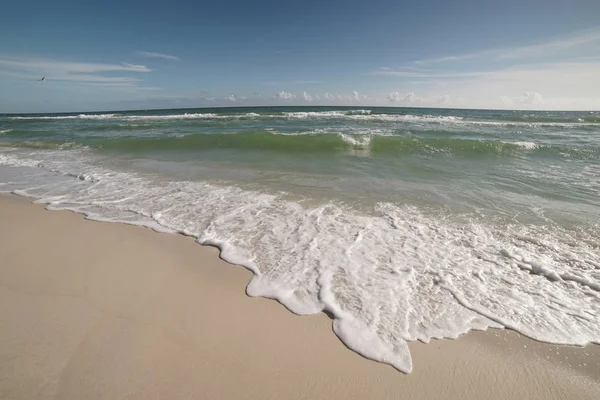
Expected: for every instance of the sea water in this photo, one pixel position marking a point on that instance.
(402, 224)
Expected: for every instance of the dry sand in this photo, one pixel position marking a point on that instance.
(93, 310)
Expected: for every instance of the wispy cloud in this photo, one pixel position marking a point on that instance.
(424, 74)
(553, 48)
(151, 54)
(72, 71)
(40, 65)
(565, 70)
(551, 85)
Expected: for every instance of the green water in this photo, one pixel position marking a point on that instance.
(404, 224)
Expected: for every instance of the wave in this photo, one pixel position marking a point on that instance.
(357, 115)
(376, 144)
(119, 117)
(43, 145)
(123, 116)
(463, 121)
(560, 117)
(383, 145)
(397, 275)
(58, 117)
(127, 126)
(5, 131)
(525, 145)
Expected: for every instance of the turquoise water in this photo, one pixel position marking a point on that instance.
(405, 224)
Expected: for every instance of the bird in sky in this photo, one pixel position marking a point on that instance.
(43, 78)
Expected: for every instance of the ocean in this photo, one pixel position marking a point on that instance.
(402, 224)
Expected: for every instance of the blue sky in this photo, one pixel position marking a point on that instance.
(527, 54)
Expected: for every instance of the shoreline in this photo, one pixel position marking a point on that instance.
(105, 310)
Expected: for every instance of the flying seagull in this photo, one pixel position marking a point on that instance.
(43, 78)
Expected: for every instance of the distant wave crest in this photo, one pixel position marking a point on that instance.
(365, 115)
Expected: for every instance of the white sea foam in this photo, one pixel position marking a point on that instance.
(10, 159)
(168, 117)
(524, 145)
(356, 140)
(312, 114)
(352, 115)
(367, 115)
(4, 131)
(125, 117)
(398, 274)
(358, 112)
(448, 120)
(119, 117)
(80, 116)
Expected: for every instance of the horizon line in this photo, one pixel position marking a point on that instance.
(361, 107)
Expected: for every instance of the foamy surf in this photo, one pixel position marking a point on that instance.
(524, 145)
(389, 277)
(357, 115)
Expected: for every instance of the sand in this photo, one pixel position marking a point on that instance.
(92, 310)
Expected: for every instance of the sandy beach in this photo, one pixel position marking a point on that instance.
(94, 310)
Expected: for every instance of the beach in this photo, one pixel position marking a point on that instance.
(112, 311)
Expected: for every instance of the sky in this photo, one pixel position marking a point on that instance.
(113, 55)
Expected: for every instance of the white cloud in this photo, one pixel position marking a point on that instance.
(396, 97)
(306, 96)
(74, 72)
(526, 99)
(284, 96)
(532, 98)
(232, 97)
(157, 55)
(344, 98)
(132, 67)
